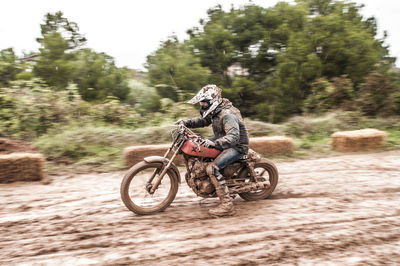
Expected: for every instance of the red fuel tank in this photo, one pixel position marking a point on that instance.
(192, 149)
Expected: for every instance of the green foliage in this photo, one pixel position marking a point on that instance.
(144, 98)
(393, 139)
(344, 93)
(54, 65)
(244, 93)
(272, 63)
(284, 49)
(374, 95)
(319, 100)
(344, 44)
(214, 45)
(327, 95)
(61, 62)
(97, 76)
(319, 57)
(9, 66)
(262, 129)
(30, 108)
(314, 127)
(55, 62)
(58, 23)
(335, 42)
(324, 125)
(24, 76)
(100, 145)
(175, 71)
(112, 111)
(87, 145)
(395, 101)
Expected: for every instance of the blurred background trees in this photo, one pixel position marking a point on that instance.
(284, 49)
(9, 66)
(175, 71)
(63, 60)
(313, 56)
(314, 66)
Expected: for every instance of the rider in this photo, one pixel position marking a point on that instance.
(230, 135)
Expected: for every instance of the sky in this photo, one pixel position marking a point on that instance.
(130, 30)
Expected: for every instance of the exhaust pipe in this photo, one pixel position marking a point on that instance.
(253, 186)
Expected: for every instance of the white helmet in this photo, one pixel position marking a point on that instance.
(209, 93)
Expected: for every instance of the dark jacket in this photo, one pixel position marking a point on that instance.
(228, 126)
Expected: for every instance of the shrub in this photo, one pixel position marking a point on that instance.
(114, 112)
(30, 108)
(328, 95)
(374, 94)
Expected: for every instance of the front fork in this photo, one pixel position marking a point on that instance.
(151, 188)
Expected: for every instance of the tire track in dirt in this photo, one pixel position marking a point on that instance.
(319, 213)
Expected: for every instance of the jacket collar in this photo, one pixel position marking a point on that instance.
(217, 110)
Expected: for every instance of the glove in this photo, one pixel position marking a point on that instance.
(208, 143)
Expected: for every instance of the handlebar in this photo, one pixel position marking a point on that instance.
(189, 133)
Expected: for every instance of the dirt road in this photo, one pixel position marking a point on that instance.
(339, 210)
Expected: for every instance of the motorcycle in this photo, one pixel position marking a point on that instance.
(150, 186)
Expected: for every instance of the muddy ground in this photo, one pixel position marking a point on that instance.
(339, 210)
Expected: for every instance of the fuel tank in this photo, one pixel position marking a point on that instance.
(190, 148)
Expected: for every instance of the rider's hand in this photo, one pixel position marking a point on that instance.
(208, 143)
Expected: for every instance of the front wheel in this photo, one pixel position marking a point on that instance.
(265, 171)
(134, 189)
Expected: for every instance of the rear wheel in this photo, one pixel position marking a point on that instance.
(135, 191)
(265, 171)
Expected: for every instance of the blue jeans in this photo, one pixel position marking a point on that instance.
(227, 157)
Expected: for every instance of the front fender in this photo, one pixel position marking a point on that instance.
(160, 159)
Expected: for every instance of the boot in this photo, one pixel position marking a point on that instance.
(225, 207)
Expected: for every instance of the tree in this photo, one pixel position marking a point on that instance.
(243, 93)
(262, 34)
(375, 94)
(336, 41)
(62, 60)
(9, 66)
(326, 95)
(97, 76)
(69, 30)
(253, 38)
(54, 65)
(283, 50)
(213, 44)
(59, 39)
(175, 71)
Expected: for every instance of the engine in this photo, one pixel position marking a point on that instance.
(198, 179)
(204, 185)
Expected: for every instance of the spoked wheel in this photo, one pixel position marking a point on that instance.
(265, 171)
(135, 190)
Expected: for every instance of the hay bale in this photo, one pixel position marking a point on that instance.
(135, 154)
(21, 167)
(272, 145)
(262, 145)
(8, 146)
(358, 140)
